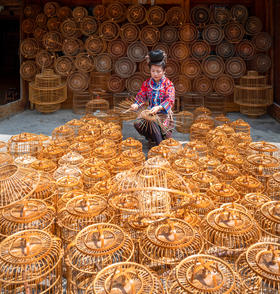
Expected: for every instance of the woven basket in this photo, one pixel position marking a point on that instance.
(78, 81)
(262, 41)
(213, 66)
(84, 62)
(38, 34)
(117, 48)
(95, 45)
(134, 83)
(72, 46)
(129, 32)
(41, 20)
(144, 68)
(116, 84)
(109, 30)
(253, 25)
(124, 67)
(79, 102)
(29, 48)
(200, 15)
(168, 35)
(213, 34)
(246, 49)
(239, 13)
(188, 33)
(235, 67)
(52, 41)
(179, 51)
(202, 85)
(182, 84)
(69, 28)
(234, 32)
(149, 35)
(215, 102)
(191, 68)
(176, 16)
(200, 49)
(163, 47)
(136, 14)
(64, 66)
(53, 24)
(99, 12)
(64, 12)
(137, 51)
(221, 15)
(31, 11)
(225, 49)
(88, 26)
(224, 85)
(172, 68)
(98, 82)
(190, 101)
(28, 70)
(28, 26)
(51, 8)
(79, 13)
(261, 63)
(156, 16)
(116, 11)
(103, 62)
(44, 59)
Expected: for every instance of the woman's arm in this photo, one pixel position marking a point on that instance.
(141, 97)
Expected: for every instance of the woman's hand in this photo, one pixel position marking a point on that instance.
(134, 106)
(156, 109)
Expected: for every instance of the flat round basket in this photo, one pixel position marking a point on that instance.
(117, 48)
(137, 51)
(136, 14)
(225, 49)
(31, 11)
(235, 67)
(99, 12)
(28, 26)
(52, 41)
(84, 62)
(262, 41)
(72, 46)
(191, 68)
(202, 85)
(163, 47)
(253, 25)
(44, 59)
(213, 66)
(261, 63)
(95, 45)
(246, 49)
(172, 68)
(38, 34)
(69, 28)
(179, 51)
(79, 13)
(221, 15)
(168, 35)
(53, 24)
(213, 34)
(41, 20)
(134, 83)
(149, 35)
(29, 48)
(224, 85)
(176, 16)
(200, 49)
(64, 66)
(116, 84)
(188, 33)
(50, 9)
(239, 13)
(156, 16)
(129, 32)
(109, 30)
(182, 84)
(28, 70)
(103, 62)
(116, 11)
(78, 81)
(64, 12)
(234, 32)
(200, 15)
(144, 68)
(88, 26)
(124, 67)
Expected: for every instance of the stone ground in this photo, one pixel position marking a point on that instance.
(263, 128)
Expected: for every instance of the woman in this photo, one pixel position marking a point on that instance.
(159, 92)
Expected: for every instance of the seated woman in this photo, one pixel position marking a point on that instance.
(159, 92)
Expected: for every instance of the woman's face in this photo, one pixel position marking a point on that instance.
(157, 72)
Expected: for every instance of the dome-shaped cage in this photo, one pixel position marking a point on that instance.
(264, 148)
(131, 143)
(44, 165)
(82, 148)
(247, 184)
(204, 180)
(68, 183)
(71, 158)
(63, 132)
(222, 193)
(273, 186)
(136, 156)
(93, 175)
(119, 164)
(254, 201)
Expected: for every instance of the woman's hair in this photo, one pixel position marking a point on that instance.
(156, 57)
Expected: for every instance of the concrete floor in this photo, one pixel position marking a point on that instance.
(263, 128)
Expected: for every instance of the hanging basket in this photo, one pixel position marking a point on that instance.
(88, 26)
(52, 41)
(235, 67)
(162, 46)
(117, 48)
(234, 32)
(137, 51)
(64, 66)
(95, 45)
(253, 25)
(149, 35)
(156, 16)
(116, 12)
(79, 13)
(134, 83)
(29, 48)
(109, 30)
(172, 68)
(191, 68)
(72, 46)
(182, 84)
(225, 49)
(202, 85)
(200, 15)
(246, 49)
(179, 51)
(103, 62)
(262, 41)
(176, 16)
(116, 84)
(200, 49)
(221, 15)
(99, 12)
(168, 35)
(84, 62)
(129, 33)
(136, 14)
(224, 85)
(188, 33)
(69, 28)
(28, 70)
(124, 67)
(78, 81)
(213, 34)
(28, 26)
(239, 13)
(44, 59)
(213, 66)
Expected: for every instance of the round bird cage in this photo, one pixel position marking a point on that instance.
(62, 202)
(198, 131)
(136, 156)
(247, 184)
(81, 148)
(228, 233)
(35, 256)
(71, 158)
(264, 148)
(94, 174)
(63, 132)
(131, 143)
(204, 180)
(208, 163)
(126, 277)
(185, 167)
(201, 204)
(254, 201)
(94, 248)
(201, 274)
(166, 243)
(27, 215)
(5, 159)
(24, 160)
(258, 268)
(68, 183)
(136, 14)
(268, 218)
(119, 164)
(273, 186)
(199, 147)
(223, 193)
(240, 126)
(227, 172)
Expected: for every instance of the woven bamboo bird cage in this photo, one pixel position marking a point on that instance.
(247, 184)
(68, 183)
(71, 158)
(254, 201)
(273, 185)
(223, 193)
